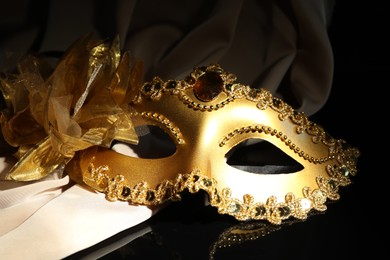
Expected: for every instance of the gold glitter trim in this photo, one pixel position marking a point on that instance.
(278, 134)
(233, 90)
(173, 130)
(155, 88)
(246, 209)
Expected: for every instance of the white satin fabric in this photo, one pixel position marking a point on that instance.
(282, 46)
(55, 218)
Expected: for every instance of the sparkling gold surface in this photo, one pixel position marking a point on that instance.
(54, 112)
(204, 132)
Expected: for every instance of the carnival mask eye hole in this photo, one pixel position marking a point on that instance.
(153, 143)
(261, 157)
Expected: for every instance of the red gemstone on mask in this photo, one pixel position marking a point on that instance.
(208, 86)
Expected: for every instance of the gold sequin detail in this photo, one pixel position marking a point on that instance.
(272, 210)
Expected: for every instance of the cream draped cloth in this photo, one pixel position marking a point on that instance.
(54, 218)
(281, 46)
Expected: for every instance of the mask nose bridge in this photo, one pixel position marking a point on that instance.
(203, 150)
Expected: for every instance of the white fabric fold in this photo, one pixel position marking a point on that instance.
(74, 220)
(17, 195)
(282, 46)
(19, 203)
(55, 218)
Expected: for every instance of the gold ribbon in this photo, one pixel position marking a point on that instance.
(83, 102)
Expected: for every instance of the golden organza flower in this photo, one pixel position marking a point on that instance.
(53, 113)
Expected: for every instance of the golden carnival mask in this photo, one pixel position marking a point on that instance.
(208, 115)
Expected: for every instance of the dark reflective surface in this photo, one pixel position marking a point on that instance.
(191, 230)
